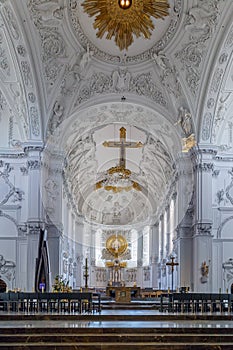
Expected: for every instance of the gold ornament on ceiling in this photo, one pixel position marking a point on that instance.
(124, 18)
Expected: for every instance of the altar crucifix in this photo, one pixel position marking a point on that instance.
(172, 264)
(122, 144)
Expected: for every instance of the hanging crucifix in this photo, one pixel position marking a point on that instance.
(122, 144)
(118, 178)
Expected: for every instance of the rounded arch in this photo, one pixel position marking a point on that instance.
(211, 108)
(134, 113)
(224, 222)
(8, 228)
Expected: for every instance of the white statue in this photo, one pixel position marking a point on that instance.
(116, 245)
(58, 110)
(185, 121)
(86, 57)
(160, 58)
(121, 80)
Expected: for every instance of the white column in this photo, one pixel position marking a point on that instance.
(168, 229)
(154, 255)
(79, 252)
(34, 184)
(140, 260)
(34, 212)
(172, 220)
(202, 239)
(162, 237)
(92, 262)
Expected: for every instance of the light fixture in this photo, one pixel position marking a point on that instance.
(125, 4)
(117, 179)
(124, 19)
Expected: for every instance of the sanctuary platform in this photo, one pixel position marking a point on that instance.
(113, 329)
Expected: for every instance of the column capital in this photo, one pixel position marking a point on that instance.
(204, 150)
(204, 167)
(203, 229)
(33, 164)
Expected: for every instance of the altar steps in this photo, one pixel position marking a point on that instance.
(150, 305)
(114, 338)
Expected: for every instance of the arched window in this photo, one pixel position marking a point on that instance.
(99, 246)
(133, 246)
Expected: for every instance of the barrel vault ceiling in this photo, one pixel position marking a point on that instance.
(63, 88)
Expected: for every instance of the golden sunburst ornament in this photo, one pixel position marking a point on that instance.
(124, 18)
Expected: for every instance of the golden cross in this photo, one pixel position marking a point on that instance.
(122, 144)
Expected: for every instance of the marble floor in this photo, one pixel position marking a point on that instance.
(114, 329)
(155, 320)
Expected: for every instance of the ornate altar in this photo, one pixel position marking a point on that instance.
(123, 294)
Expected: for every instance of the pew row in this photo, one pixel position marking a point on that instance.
(50, 302)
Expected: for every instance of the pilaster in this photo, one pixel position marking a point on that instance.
(161, 237)
(34, 184)
(168, 233)
(79, 252)
(154, 255)
(140, 260)
(202, 238)
(202, 258)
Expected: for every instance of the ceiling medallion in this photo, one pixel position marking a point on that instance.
(124, 18)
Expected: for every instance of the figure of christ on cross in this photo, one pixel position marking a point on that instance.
(122, 144)
(172, 264)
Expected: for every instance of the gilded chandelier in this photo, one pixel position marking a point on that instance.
(117, 180)
(123, 19)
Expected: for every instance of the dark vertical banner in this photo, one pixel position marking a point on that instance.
(42, 264)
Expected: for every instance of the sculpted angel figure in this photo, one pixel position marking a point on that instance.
(159, 58)
(86, 57)
(121, 80)
(185, 121)
(58, 110)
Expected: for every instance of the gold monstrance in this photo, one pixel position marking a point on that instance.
(116, 245)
